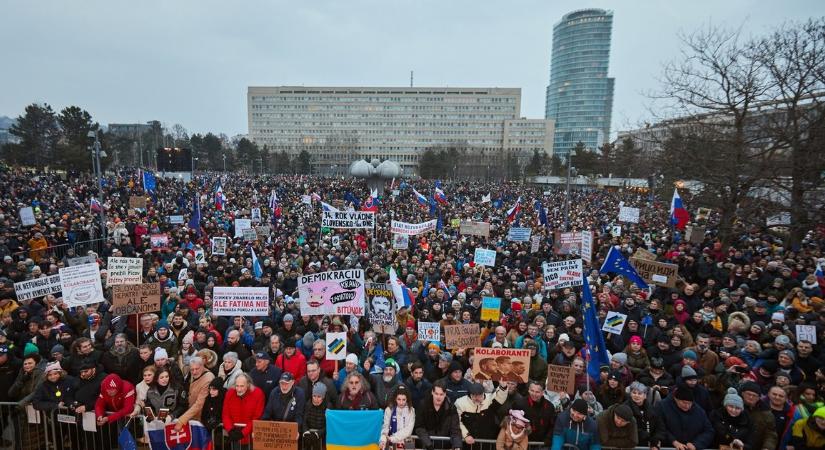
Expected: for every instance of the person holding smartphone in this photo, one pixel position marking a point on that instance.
(165, 395)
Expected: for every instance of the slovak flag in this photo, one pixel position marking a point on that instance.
(513, 212)
(819, 274)
(679, 216)
(422, 200)
(273, 199)
(315, 197)
(440, 197)
(193, 436)
(219, 198)
(94, 205)
(371, 203)
(403, 295)
(327, 207)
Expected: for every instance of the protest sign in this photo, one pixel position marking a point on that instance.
(455, 223)
(137, 202)
(81, 285)
(333, 292)
(200, 256)
(274, 435)
(614, 322)
(587, 246)
(535, 241)
(695, 234)
(568, 243)
(36, 288)
(242, 224)
(412, 229)
(250, 235)
(806, 333)
(124, 271)
(462, 336)
(628, 214)
(658, 273)
(255, 215)
(348, 219)
(219, 246)
(240, 301)
(562, 274)
(616, 230)
(519, 234)
(80, 260)
(561, 378)
(400, 241)
(490, 309)
(159, 241)
(501, 364)
(484, 257)
(27, 216)
(176, 220)
(306, 199)
(263, 231)
(381, 308)
(135, 298)
(644, 254)
(429, 331)
(474, 228)
(781, 219)
(336, 346)
(395, 192)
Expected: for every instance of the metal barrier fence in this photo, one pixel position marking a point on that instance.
(81, 248)
(24, 428)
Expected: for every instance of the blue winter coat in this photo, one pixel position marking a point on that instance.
(581, 434)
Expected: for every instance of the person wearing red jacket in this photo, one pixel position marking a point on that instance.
(241, 407)
(116, 401)
(291, 360)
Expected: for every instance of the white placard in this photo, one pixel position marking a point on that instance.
(27, 216)
(176, 220)
(200, 256)
(628, 214)
(659, 278)
(219, 246)
(348, 219)
(336, 346)
(242, 224)
(124, 271)
(32, 415)
(395, 192)
(616, 231)
(81, 285)
(336, 241)
(484, 257)
(36, 288)
(806, 333)
(400, 241)
(519, 234)
(783, 218)
(250, 235)
(587, 246)
(614, 322)
(90, 422)
(535, 241)
(562, 274)
(429, 331)
(412, 229)
(240, 301)
(256, 215)
(306, 199)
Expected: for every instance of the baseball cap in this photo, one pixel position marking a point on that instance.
(263, 355)
(286, 377)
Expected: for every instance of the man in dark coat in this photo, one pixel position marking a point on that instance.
(437, 417)
(683, 422)
(123, 359)
(540, 411)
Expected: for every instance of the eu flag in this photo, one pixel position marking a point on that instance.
(597, 353)
(195, 220)
(617, 263)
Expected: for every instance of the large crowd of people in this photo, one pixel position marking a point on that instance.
(714, 362)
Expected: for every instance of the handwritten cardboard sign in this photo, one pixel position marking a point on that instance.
(274, 435)
(561, 378)
(462, 336)
(135, 298)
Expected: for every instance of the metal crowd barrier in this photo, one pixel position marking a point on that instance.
(57, 251)
(61, 429)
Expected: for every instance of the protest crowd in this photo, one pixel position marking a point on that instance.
(725, 352)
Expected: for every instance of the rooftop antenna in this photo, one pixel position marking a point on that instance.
(411, 78)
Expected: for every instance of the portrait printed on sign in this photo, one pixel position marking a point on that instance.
(381, 308)
(501, 364)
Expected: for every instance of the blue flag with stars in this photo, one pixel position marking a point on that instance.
(617, 263)
(597, 353)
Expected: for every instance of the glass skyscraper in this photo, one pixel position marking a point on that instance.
(580, 95)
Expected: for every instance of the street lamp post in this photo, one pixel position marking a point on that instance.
(224, 162)
(194, 160)
(567, 194)
(96, 155)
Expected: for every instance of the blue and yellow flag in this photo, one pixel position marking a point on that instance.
(354, 430)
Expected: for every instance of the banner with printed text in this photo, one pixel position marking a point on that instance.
(474, 228)
(519, 234)
(240, 301)
(628, 214)
(567, 243)
(381, 308)
(562, 274)
(348, 219)
(429, 331)
(501, 364)
(412, 229)
(81, 285)
(124, 271)
(36, 288)
(334, 292)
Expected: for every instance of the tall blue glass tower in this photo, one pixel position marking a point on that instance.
(580, 94)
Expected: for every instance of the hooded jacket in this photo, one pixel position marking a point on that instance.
(583, 435)
(692, 426)
(118, 406)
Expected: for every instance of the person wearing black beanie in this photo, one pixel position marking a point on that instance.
(575, 427)
(680, 421)
(764, 426)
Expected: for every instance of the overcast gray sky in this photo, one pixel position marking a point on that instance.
(190, 62)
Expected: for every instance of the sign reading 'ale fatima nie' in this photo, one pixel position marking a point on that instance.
(135, 298)
(462, 336)
(501, 364)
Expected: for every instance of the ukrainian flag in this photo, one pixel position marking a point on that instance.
(354, 430)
